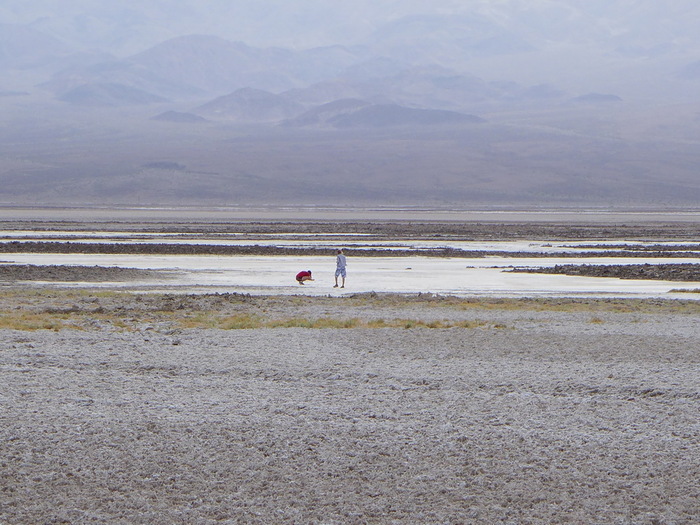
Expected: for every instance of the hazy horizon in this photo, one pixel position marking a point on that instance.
(484, 102)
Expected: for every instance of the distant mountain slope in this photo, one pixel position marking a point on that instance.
(549, 159)
(320, 115)
(122, 72)
(108, 95)
(596, 98)
(388, 115)
(448, 38)
(213, 64)
(178, 116)
(251, 105)
(424, 86)
(22, 47)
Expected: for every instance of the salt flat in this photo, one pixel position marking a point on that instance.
(228, 394)
(527, 412)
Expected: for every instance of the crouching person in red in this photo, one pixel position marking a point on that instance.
(304, 276)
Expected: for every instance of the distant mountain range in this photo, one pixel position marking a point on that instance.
(479, 56)
(194, 67)
(439, 61)
(187, 69)
(404, 101)
(254, 105)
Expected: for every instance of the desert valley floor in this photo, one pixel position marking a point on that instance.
(127, 406)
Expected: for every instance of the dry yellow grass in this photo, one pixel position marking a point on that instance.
(32, 321)
(245, 321)
(56, 309)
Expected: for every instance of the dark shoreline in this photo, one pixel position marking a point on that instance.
(378, 230)
(678, 250)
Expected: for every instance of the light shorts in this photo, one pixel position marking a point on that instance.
(340, 271)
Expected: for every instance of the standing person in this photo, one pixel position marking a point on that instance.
(340, 264)
(304, 276)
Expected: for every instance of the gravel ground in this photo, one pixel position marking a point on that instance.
(559, 412)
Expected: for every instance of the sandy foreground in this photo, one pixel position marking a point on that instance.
(160, 409)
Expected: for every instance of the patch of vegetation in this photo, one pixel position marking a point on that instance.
(245, 321)
(58, 308)
(28, 321)
(321, 322)
(559, 304)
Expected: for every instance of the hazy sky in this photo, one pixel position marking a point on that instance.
(128, 24)
(300, 23)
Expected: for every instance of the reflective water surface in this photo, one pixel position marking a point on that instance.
(275, 274)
